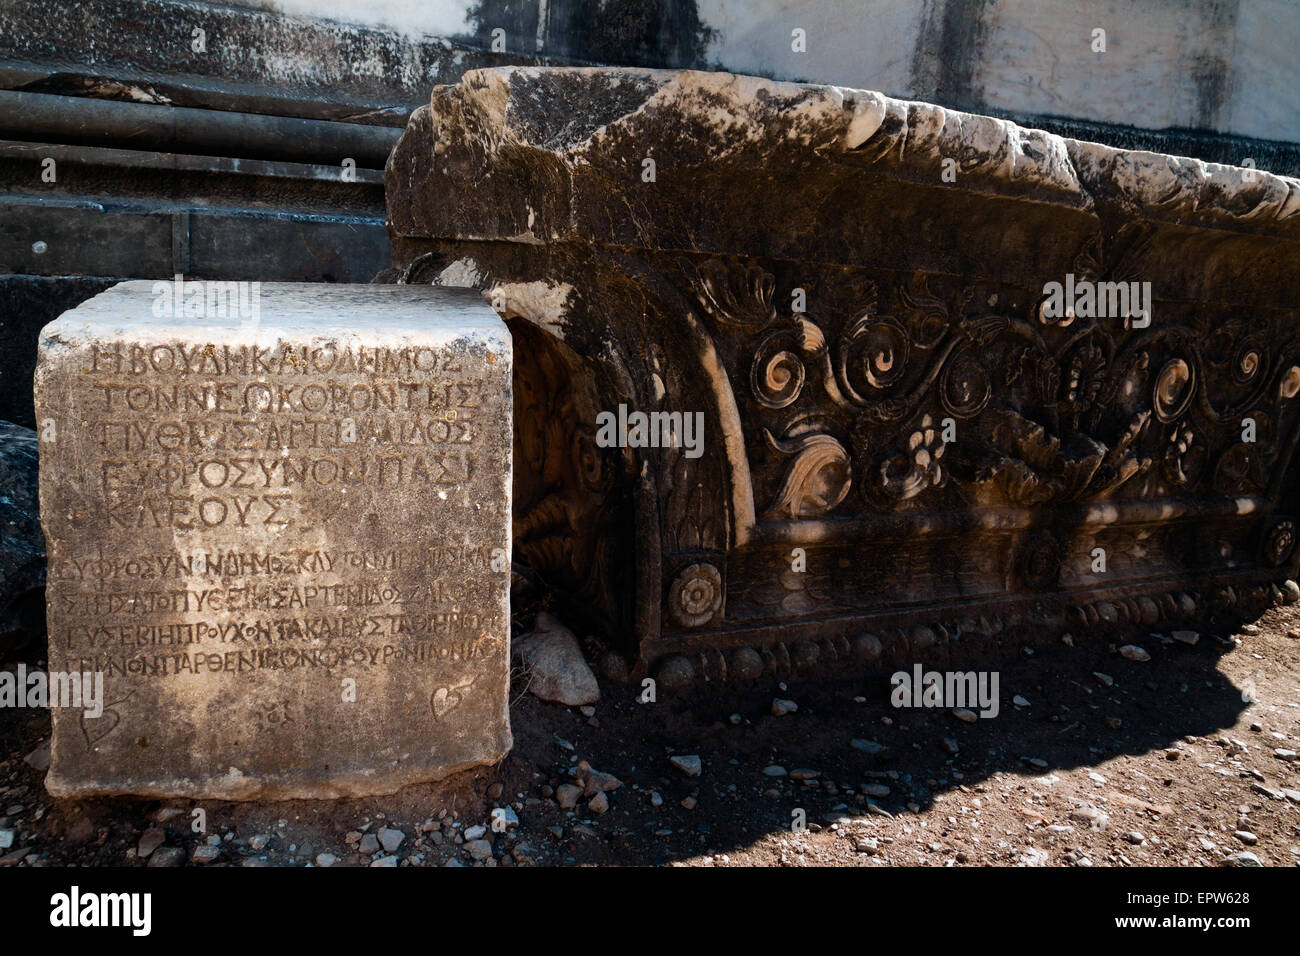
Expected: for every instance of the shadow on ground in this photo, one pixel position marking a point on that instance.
(846, 753)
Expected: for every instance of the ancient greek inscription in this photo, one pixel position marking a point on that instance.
(243, 520)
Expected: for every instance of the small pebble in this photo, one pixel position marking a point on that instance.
(688, 764)
(150, 840)
(1096, 819)
(506, 815)
(168, 856)
(391, 839)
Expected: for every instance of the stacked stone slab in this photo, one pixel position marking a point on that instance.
(280, 532)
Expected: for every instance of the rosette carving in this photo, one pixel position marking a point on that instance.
(906, 474)
(1279, 542)
(695, 595)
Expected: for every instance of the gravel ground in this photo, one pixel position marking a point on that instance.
(1094, 759)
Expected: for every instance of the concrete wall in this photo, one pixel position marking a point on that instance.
(1221, 66)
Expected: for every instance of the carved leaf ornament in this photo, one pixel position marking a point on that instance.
(1061, 410)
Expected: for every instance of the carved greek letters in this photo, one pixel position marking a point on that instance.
(241, 518)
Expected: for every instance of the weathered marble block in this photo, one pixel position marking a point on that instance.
(282, 537)
(911, 446)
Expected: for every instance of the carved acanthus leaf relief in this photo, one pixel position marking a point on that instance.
(564, 484)
(698, 519)
(915, 398)
(737, 295)
(816, 480)
(697, 513)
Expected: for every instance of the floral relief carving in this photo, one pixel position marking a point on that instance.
(901, 393)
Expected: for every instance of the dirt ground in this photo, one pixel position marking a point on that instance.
(1185, 759)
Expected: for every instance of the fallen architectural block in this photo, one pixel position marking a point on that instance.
(960, 382)
(278, 530)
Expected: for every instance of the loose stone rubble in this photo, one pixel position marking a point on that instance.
(556, 669)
